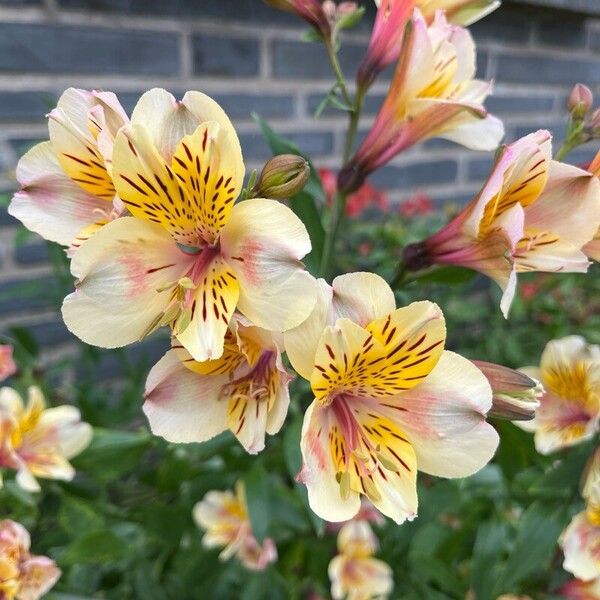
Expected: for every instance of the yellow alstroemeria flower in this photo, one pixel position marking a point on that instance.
(246, 390)
(570, 407)
(224, 516)
(354, 573)
(189, 256)
(39, 441)
(23, 576)
(67, 192)
(388, 400)
(592, 249)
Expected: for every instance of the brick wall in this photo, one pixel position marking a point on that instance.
(252, 58)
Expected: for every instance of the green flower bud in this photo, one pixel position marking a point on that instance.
(282, 177)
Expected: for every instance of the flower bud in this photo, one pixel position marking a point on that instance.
(282, 177)
(515, 395)
(580, 100)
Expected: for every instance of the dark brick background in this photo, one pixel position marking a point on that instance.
(252, 58)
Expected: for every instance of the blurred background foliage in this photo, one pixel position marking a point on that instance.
(123, 528)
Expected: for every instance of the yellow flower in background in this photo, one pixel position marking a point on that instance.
(570, 407)
(224, 516)
(67, 192)
(38, 441)
(23, 576)
(246, 390)
(388, 400)
(189, 256)
(354, 573)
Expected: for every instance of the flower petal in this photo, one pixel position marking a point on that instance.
(120, 270)
(214, 302)
(580, 542)
(38, 576)
(444, 418)
(319, 471)
(182, 406)
(49, 202)
(263, 242)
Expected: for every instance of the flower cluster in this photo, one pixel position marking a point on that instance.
(23, 576)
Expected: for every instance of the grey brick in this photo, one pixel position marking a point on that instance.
(582, 156)
(25, 106)
(61, 49)
(584, 6)
(506, 24)
(31, 254)
(511, 105)
(562, 30)
(21, 145)
(540, 68)
(20, 2)
(225, 56)
(479, 169)
(595, 41)
(21, 295)
(312, 143)
(416, 174)
(555, 126)
(308, 60)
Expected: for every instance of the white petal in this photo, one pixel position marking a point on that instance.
(181, 405)
(444, 418)
(120, 270)
(263, 243)
(49, 202)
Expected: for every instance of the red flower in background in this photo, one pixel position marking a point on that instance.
(419, 204)
(367, 196)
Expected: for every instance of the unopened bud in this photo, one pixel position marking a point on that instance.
(580, 101)
(594, 123)
(516, 396)
(282, 177)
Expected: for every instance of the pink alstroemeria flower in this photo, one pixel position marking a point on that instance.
(569, 409)
(224, 516)
(37, 441)
(576, 589)
(23, 576)
(189, 255)
(389, 400)
(433, 94)
(246, 390)
(8, 366)
(67, 192)
(592, 249)
(532, 214)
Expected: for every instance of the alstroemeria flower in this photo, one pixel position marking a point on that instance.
(224, 516)
(533, 214)
(592, 249)
(38, 441)
(388, 400)
(189, 256)
(580, 542)
(246, 390)
(23, 576)
(354, 573)
(67, 192)
(386, 39)
(432, 94)
(575, 589)
(569, 410)
(311, 11)
(8, 366)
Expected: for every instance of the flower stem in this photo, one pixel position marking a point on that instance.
(564, 150)
(353, 124)
(339, 76)
(337, 214)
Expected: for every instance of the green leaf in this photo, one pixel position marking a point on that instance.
(539, 528)
(351, 19)
(77, 515)
(489, 545)
(95, 547)
(258, 498)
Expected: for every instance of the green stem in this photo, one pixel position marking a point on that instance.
(564, 150)
(353, 125)
(339, 76)
(337, 214)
